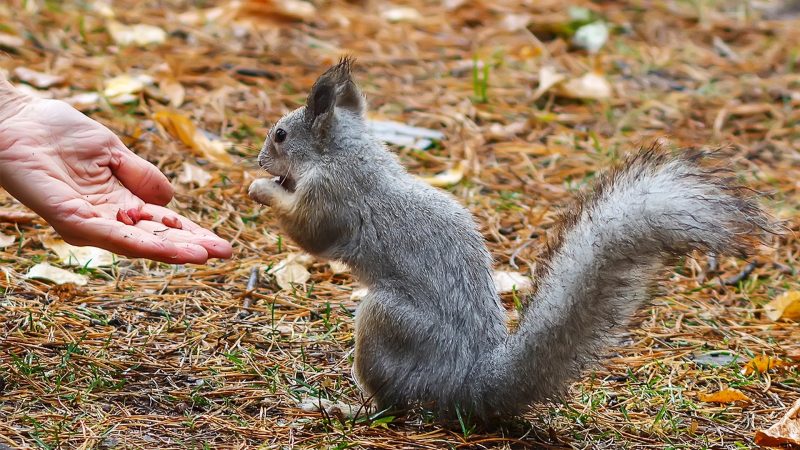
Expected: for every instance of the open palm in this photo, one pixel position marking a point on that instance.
(77, 174)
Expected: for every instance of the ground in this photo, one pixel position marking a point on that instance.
(148, 355)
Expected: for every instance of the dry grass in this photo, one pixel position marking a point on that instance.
(153, 356)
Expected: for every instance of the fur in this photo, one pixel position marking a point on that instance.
(432, 330)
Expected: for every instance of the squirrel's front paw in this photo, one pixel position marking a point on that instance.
(262, 191)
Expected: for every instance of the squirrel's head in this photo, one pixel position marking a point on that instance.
(302, 138)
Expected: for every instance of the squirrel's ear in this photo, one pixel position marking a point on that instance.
(348, 95)
(320, 104)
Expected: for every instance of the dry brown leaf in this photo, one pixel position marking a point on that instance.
(121, 89)
(785, 433)
(182, 128)
(761, 364)
(7, 215)
(401, 14)
(6, 240)
(292, 270)
(289, 9)
(193, 174)
(785, 306)
(138, 34)
(84, 100)
(44, 271)
(70, 255)
(590, 86)
(724, 396)
(548, 77)
(506, 282)
(174, 91)
(11, 41)
(38, 79)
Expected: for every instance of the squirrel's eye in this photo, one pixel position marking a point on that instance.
(280, 135)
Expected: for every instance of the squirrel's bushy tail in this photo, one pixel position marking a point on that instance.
(601, 265)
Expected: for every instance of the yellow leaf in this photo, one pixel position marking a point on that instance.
(448, 177)
(174, 90)
(761, 364)
(785, 306)
(724, 396)
(121, 89)
(182, 128)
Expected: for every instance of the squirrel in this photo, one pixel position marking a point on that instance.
(431, 330)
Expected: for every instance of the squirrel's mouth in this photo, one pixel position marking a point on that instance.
(286, 182)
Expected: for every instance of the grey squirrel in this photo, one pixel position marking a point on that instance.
(431, 329)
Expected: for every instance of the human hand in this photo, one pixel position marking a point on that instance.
(76, 174)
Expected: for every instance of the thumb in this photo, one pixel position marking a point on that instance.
(141, 177)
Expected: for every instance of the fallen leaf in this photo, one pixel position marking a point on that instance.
(401, 14)
(761, 364)
(785, 433)
(333, 409)
(548, 77)
(38, 79)
(217, 14)
(590, 86)
(33, 92)
(84, 100)
(724, 396)
(448, 177)
(70, 255)
(194, 175)
(785, 306)
(182, 128)
(174, 91)
(290, 9)
(121, 89)
(138, 34)
(506, 282)
(292, 270)
(44, 271)
(11, 41)
(7, 215)
(6, 240)
(591, 37)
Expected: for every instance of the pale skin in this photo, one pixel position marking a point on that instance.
(76, 174)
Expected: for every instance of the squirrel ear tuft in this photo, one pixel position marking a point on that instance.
(338, 83)
(348, 95)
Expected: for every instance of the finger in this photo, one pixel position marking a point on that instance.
(135, 242)
(189, 232)
(139, 175)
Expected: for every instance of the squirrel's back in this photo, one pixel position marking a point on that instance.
(432, 330)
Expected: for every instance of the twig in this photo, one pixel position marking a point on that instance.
(734, 280)
(512, 261)
(252, 282)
